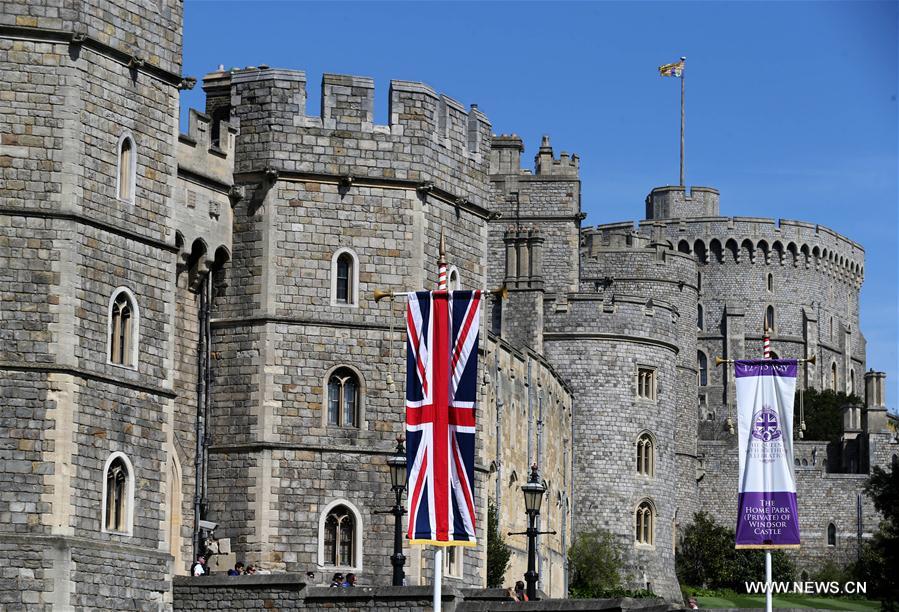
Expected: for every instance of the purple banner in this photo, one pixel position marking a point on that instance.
(765, 367)
(767, 519)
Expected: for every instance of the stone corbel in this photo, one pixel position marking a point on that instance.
(236, 194)
(187, 83)
(271, 174)
(425, 187)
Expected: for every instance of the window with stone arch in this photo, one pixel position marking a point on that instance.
(700, 317)
(340, 537)
(126, 168)
(769, 318)
(831, 534)
(702, 366)
(117, 512)
(344, 397)
(344, 278)
(833, 376)
(123, 329)
(646, 461)
(644, 523)
(453, 280)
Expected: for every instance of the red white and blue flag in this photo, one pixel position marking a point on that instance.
(441, 392)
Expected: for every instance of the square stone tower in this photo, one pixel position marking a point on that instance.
(87, 168)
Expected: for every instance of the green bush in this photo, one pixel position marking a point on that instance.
(498, 553)
(880, 554)
(593, 561)
(707, 558)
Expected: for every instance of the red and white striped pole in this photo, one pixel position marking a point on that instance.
(767, 348)
(441, 265)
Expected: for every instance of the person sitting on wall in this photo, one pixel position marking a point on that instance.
(520, 592)
(310, 577)
(237, 570)
(251, 569)
(337, 580)
(350, 580)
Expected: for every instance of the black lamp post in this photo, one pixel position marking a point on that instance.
(397, 465)
(533, 495)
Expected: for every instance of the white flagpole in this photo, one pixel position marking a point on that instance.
(438, 578)
(766, 353)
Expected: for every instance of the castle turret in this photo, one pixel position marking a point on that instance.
(675, 202)
(875, 402)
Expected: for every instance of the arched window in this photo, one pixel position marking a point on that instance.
(454, 284)
(118, 495)
(343, 398)
(769, 318)
(702, 363)
(700, 317)
(123, 328)
(770, 282)
(344, 278)
(340, 541)
(645, 455)
(833, 376)
(831, 534)
(127, 169)
(643, 522)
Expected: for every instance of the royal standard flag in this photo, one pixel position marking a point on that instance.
(672, 70)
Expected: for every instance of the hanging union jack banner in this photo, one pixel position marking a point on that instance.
(441, 389)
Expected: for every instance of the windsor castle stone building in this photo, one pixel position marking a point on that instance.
(188, 333)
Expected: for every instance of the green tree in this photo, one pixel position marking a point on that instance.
(880, 555)
(498, 553)
(823, 414)
(707, 558)
(593, 561)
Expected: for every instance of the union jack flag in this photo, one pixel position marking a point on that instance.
(441, 390)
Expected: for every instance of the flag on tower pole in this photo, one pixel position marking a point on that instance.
(677, 69)
(442, 330)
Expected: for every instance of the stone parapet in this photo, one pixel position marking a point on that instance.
(429, 138)
(288, 592)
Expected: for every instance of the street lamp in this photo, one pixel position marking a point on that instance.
(397, 465)
(533, 495)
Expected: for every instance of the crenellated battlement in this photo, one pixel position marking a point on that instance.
(749, 240)
(348, 101)
(429, 137)
(612, 313)
(505, 158)
(200, 154)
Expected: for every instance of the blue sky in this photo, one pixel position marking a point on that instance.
(791, 106)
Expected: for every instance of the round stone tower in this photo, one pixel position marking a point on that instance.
(619, 343)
